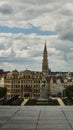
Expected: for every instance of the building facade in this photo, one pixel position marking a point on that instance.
(56, 86)
(26, 84)
(1, 81)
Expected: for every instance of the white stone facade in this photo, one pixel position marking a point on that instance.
(1, 82)
(56, 87)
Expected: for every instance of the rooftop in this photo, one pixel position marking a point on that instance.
(36, 118)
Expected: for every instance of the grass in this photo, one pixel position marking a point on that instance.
(42, 102)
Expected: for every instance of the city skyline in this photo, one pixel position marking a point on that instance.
(24, 27)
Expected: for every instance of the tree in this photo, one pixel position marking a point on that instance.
(3, 92)
(69, 91)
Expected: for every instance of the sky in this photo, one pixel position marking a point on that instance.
(24, 27)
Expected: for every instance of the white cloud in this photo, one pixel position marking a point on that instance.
(40, 13)
(25, 51)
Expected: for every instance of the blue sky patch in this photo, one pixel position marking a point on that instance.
(33, 29)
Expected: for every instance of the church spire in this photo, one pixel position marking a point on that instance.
(45, 68)
(45, 49)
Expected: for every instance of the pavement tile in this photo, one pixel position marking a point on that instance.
(36, 118)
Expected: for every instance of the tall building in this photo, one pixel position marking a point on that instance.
(45, 68)
(26, 84)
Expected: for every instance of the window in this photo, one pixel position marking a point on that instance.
(21, 81)
(18, 81)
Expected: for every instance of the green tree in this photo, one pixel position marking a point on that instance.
(3, 92)
(69, 91)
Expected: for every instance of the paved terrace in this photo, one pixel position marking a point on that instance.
(36, 118)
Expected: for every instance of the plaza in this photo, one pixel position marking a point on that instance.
(36, 118)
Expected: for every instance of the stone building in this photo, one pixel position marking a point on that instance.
(1, 81)
(45, 68)
(56, 86)
(26, 84)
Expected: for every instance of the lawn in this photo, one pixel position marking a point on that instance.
(42, 102)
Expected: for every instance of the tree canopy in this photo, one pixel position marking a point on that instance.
(3, 91)
(69, 91)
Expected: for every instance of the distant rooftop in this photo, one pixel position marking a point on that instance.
(36, 118)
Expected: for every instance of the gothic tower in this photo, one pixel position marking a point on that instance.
(45, 68)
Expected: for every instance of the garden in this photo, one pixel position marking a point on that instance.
(45, 102)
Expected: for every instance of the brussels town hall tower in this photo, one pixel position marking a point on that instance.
(45, 68)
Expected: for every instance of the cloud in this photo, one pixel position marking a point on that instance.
(6, 9)
(25, 50)
(24, 12)
(65, 30)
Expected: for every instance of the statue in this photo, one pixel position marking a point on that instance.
(43, 93)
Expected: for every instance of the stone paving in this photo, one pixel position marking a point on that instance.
(36, 117)
(60, 102)
(24, 102)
